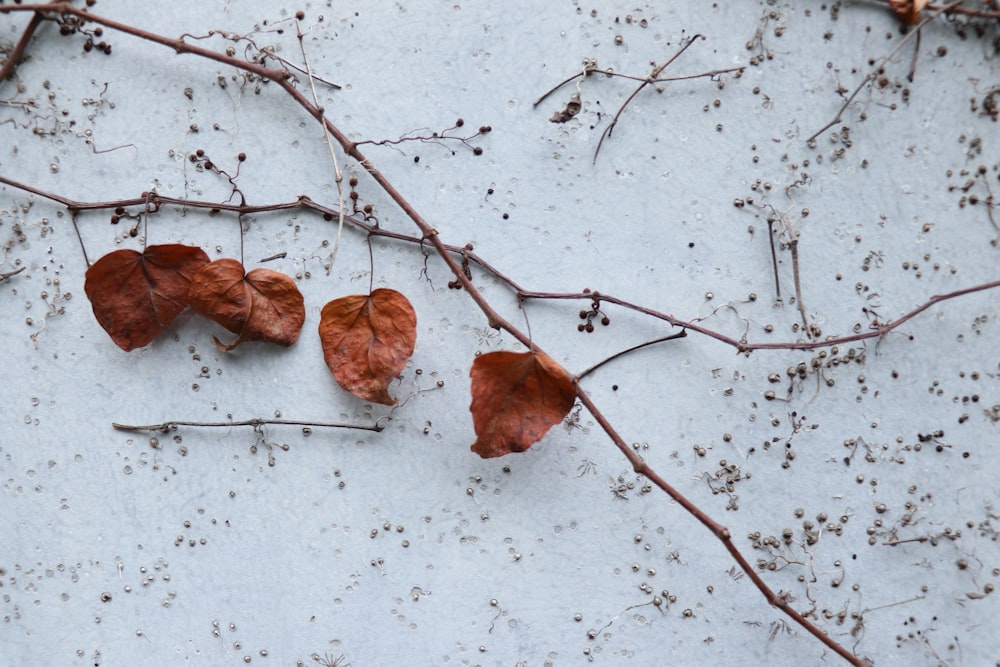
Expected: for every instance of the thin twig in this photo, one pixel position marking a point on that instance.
(494, 319)
(793, 246)
(774, 259)
(721, 532)
(655, 341)
(588, 68)
(711, 74)
(521, 292)
(873, 74)
(337, 174)
(269, 52)
(434, 137)
(894, 542)
(879, 331)
(913, 61)
(8, 68)
(991, 203)
(174, 424)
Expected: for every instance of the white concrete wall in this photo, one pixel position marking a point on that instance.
(403, 547)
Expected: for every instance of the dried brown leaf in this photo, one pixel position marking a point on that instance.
(516, 398)
(571, 110)
(367, 340)
(260, 305)
(908, 10)
(136, 295)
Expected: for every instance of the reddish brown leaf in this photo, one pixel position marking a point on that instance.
(367, 340)
(260, 305)
(908, 10)
(516, 398)
(136, 295)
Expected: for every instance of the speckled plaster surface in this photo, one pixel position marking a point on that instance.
(861, 478)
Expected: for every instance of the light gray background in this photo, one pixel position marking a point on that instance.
(306, 558)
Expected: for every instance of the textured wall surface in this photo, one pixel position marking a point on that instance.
(860, 478)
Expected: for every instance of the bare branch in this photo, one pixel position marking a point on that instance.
(172, 425)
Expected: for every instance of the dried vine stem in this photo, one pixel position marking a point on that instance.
(338, 176)
(7, 70)
(652, 77)
(954, 8)
(522, 293)
(435, 137)
(873, 73)
(284, 79)
(991, 203)
(10, 274)
(742, 346)
(793, 246)
(255, 423)
(591, 68)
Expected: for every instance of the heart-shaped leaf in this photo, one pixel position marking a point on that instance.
(260, 305)
(516, 398)
(367, 340)
(136, 295)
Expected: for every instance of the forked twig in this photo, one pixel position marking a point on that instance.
(774, 259)
(522, 293)
(651, 79)
(9, 274)
(621, 353)
(590, 67)
(793, 246)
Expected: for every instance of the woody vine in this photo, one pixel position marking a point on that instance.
(368, 338)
